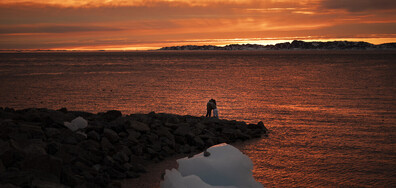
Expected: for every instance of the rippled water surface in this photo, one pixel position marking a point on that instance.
(332, 114)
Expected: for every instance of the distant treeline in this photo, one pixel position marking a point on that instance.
(296, 44)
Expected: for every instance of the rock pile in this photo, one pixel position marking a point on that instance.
(38, 150)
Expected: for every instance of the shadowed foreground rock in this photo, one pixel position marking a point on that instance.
(37, 150)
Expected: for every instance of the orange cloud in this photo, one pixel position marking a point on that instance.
(119, 24)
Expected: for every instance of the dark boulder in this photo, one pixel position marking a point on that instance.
(17, 178)
(70, 178)
(139, 126)
(52, 132)
(34, 147)
(106, 145)
(53, 148)
(85, 115)
(63, 110)
(44, 163)
(121, 157)
(111, 115)
(2, 167)
(38, 183)
(30, 131)
(111, 135)
(199, 142)
(173, 119)
(93, 135)
(12, 157)
(262, 126)
(183, 130)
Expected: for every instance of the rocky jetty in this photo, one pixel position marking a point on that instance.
(38, 149)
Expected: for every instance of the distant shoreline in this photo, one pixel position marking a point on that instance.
(295, 45)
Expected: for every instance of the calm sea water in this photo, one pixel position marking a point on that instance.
(332, 114)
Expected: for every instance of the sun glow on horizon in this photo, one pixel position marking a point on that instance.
(217, 42)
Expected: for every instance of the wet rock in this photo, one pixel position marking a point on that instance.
(96, 125)
(151, 151)
(156, 123)
(140, 118)
(37, 183)
(183, 130)
(53, 148)
(132, 139)
(139, 168)
(44, 163)
(114, 185)
(191, 120)
(180, 139)
(156, 146)
(76, 124)
(206, 154)
(128, 166)
(97, 167)
(31, 131)
(52, 132)
(70, 140)
(31, 115)
(69, 178)
(123, 134)
(120, 124)
(93, 135)
(167, 142)
(113, 173)
(59, 117)
(185, 149)
(12, 157)
(152, 138)
(85, 115)
(229, 132)
(261, 126)
(163, 131)
(132, 174)
(166, 151)
(8, 185)
(173, 119)
(112, 115)
(199, 142)
(63, 110)
(121, 157)
(133, 133)
(17, 178)
(171, 125)
(89, 145)
(106, 145)
(2, 167)
(69, 137)
(200, 126)
(111, 135)
(126, 150)
(210, 142)
(35, 147)
(139, 126)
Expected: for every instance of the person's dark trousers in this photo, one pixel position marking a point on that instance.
(209, 113)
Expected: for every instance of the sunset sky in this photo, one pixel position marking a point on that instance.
(149, 24)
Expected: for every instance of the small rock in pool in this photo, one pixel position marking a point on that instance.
(206, 154)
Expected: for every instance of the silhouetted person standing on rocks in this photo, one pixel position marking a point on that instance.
(209, 107)
(215, 111)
